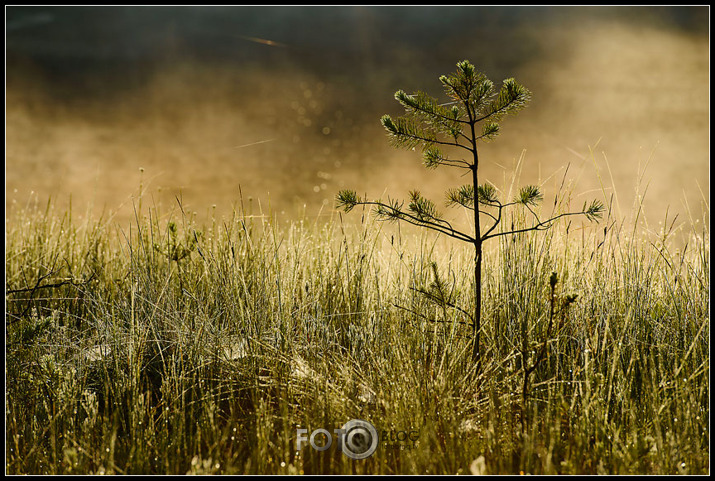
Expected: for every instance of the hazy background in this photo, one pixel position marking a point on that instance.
(285, 102)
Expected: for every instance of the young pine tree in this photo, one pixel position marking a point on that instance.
(470, 117)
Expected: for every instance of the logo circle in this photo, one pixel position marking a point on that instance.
(359, 439)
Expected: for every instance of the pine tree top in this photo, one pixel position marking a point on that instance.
(432, 125)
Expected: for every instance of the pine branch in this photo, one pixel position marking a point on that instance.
(592, 213)
(433, 158)
(529, 195)
(487, 213)
(429, 110)
(463, 195)
(468, 86)
(429, 319)
(487, 194)
(512, 97)
(407, 134)
(496, 223)
(347, 200)
(437, 294)
(39, 286)
(489, 131)
(423, 209)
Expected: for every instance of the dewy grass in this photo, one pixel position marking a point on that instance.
(171, 347)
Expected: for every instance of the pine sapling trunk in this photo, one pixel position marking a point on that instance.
(477, 267)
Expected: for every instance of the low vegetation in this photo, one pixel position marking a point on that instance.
(177, 347)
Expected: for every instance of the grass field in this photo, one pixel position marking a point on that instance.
(173, 346)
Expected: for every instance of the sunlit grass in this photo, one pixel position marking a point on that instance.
(173, 347)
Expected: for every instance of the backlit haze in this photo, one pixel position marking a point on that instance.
(283, 104)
